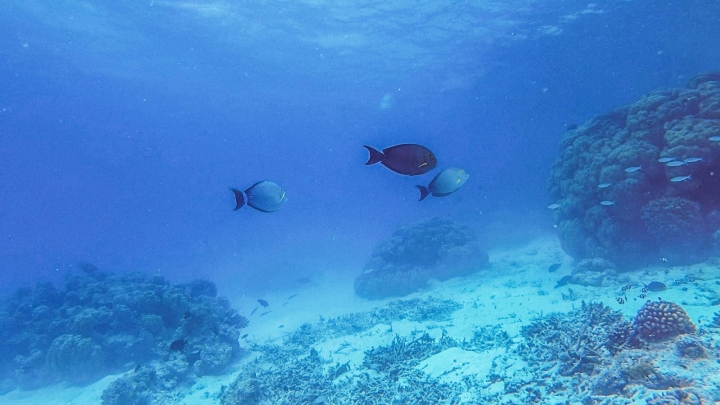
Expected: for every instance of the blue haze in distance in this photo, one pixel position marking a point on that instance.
(122, 124)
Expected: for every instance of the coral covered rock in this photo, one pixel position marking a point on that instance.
(75, 358)
(658, 320)
(639, 183)
(434, 248)
(101, 323)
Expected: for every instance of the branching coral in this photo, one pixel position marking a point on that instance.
(581, 341)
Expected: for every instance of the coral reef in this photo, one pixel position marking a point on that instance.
(595, 272)
(102, 323)
(581, 342)
(588, 357)
(434, 248)
(658, 320)
(638, 183)
(388, 373)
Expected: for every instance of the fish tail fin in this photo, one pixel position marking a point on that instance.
(239, 198)
(424, 192)
(375, 155)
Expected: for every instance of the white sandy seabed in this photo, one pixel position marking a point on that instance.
(512, 291)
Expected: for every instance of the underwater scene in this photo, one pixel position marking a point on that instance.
(361, 202)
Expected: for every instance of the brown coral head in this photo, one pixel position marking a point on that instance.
(658, 320)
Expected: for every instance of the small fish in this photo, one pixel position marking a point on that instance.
(667, 271)
(554, 267)
(263, 302)
(646, 272)
(644, 289)
(407, 159)
(633, 169)
(253, 311)
(571, 127)
(692, 160)
(666, 159)
(244, 336)
(642, 295)
(620, 300)
(563, 281)
(292, 296)
(604, 185)
(663, 259)
(445, 183)
(607, 203)
(681, 178)
(684, 288)
(677, 282)
(691, 278)
(675, 163)
(178, 345)
(627, 287)
(715, 138)
(264, 196)
(554, 206)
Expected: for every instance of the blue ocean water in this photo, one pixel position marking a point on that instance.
(124, 124)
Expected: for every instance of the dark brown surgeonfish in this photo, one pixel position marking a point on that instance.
(408, 159)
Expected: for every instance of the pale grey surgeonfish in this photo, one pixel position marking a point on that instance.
(264, 196)
(445, 183)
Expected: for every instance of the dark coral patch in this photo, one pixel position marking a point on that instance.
(654, 213)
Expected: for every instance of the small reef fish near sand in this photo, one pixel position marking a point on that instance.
(604, 185)
(407, 159)
(445, 183)
(666, 159)
(554, 206)
(633, 169)
(692, 160)
(680, 178)
(554, 267)
(607, 203)
(263, 302)
(563, 281)
(715, 138)
(264, 196)
(675, 163)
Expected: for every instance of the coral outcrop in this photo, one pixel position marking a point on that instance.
(102, 323)
(639, 183)
(434, 248)
(658, 320)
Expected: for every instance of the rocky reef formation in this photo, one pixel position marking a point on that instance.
(640, 183)
(604, 359)
(101, 323)
(434, 248)
(658, 320)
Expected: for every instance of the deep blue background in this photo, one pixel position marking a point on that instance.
(122, 127)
